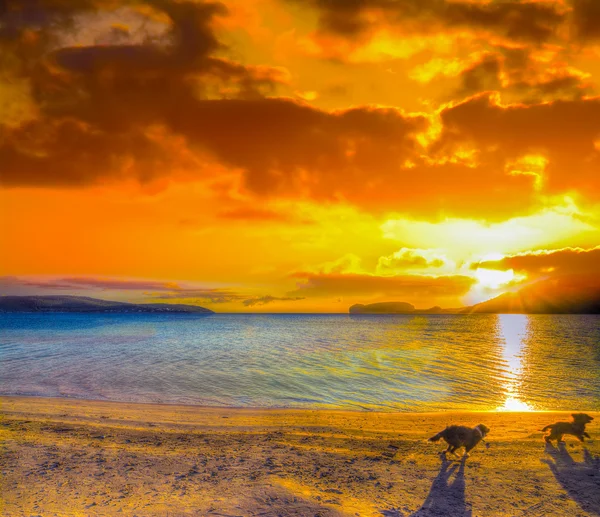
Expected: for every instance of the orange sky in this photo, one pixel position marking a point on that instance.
(297, 155)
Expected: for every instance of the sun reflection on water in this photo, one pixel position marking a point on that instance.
(513, 329)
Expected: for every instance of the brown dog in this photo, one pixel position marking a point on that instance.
(576, 428)
(457, 436)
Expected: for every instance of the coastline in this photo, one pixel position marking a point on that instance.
(78, 457)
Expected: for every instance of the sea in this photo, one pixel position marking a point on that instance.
(340, 361)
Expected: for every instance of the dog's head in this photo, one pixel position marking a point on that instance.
(483, 429)
(581, 418)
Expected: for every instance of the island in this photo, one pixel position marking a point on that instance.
(89, 305)
(397, 308)
(567, 294)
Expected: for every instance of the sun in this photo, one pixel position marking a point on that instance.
(514, 404)
(493, 278)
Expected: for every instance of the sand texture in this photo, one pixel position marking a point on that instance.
(78, 458)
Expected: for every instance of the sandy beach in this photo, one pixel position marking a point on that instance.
(64, 457)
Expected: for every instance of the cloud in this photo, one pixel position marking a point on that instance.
(14, 285)
(194, 294)
(565, 261)
(528, 21)
(527, 48)
(98, 106)
(586, 19)
(298, 151)
(173, 105)
(168, 106)
(349, 263)
(261, 215)
(566, 132)
(420, 286)
(89, 283)
(284, 148)
(409, 258)
(479, 237)
(116, 284)
(520, 74)
(147, 288)
(264, 300)
(481, 76)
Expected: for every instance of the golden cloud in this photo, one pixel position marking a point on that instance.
(565, 261)
(341, 284)
(524, 20)
(409, 258)
(172, 106)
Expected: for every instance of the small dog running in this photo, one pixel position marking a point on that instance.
(576, 428)
(457, 436)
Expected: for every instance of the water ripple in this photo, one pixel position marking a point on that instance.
(425, 363)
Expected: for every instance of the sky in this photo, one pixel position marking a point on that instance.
(297, 155)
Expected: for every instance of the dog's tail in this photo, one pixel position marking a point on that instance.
(437, 437)
(548, 427)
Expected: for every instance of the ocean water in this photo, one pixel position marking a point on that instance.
(389, 363)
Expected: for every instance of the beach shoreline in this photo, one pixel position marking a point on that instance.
(72, 457)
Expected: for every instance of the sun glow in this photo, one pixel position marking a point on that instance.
(492, 278)
(514, 404)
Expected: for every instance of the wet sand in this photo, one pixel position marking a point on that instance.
(63, 457)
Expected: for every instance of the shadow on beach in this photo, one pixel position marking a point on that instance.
(581, 480)
(275, 502)
(446, 496)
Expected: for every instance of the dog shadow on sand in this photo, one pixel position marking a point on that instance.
(446, 496)
(581, 479)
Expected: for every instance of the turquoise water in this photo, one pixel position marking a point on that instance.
(401, 363)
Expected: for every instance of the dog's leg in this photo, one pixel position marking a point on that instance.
(468, 449)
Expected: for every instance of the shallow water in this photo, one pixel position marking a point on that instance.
(402, 363)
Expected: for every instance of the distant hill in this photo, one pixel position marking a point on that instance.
(383, 308)
(85, 304)
(569, 294)
(397, 308)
